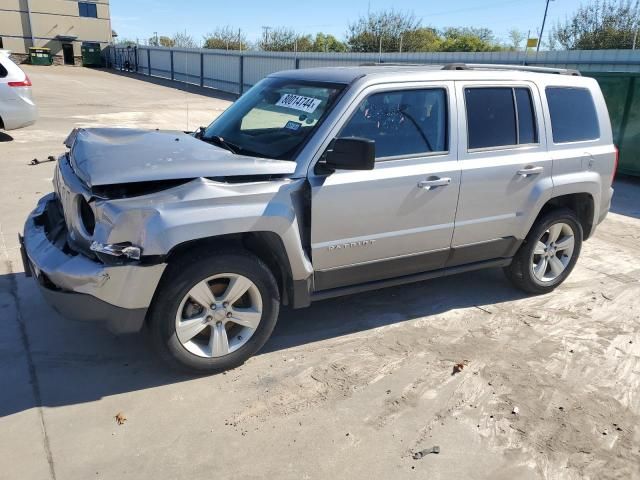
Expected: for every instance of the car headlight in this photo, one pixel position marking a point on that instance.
(118, 250)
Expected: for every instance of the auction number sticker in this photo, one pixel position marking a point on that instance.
(299, 102)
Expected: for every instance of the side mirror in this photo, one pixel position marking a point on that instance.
(351, 153)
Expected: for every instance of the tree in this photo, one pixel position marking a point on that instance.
(126, 42)
(516, 37)
(283, 39)
(469, 40)
(403, 31)
(603, 24)
(327, 43)
(423, 39)
(226, 38)
(183, 40)
(385, 28)
(166, 42)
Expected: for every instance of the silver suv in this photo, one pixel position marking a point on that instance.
(318, 183)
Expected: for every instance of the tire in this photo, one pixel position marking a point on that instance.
(175, 314)
(527, 270)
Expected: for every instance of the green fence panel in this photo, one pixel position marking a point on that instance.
(622, 94)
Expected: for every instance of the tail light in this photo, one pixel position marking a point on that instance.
(24, 83)
(615, 164)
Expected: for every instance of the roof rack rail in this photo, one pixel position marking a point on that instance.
(524, 68)
(393, 64)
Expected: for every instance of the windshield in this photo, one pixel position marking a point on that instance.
(274, 118)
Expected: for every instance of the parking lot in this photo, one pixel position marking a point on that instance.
(349, 388)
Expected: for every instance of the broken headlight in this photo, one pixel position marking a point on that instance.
(114, 251)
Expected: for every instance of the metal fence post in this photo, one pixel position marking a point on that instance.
(202, 69)
(241, 74)
(297, 63)
(149, 60)
(135, 52)
(172, 71)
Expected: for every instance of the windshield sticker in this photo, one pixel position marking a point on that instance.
(291, 125)
(299, 102)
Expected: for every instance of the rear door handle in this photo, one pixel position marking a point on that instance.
(525, 172)
(433, 183)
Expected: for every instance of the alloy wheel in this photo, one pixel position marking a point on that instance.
(553, 252)
(218, 315)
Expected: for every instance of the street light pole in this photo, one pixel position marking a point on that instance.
(544, 20)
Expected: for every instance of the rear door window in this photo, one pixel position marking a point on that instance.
(527, 131)
(573, 114)
(491, 117)
(500, 117)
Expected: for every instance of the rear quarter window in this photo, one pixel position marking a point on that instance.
(573, 114)
(3, 71)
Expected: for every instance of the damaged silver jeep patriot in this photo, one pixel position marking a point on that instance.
(318, 183)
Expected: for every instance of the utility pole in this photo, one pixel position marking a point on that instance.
(544, 20)
(380, 51)
(635, 38)
(400, 43)
(265, 34)
(157, 40)
(240, 38)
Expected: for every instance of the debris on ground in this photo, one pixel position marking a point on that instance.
(515, 410)
(606, 297)
(35, 161)
(120, 418)
(458, 367)
(418, 455)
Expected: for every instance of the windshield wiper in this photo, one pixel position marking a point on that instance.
(221, 142)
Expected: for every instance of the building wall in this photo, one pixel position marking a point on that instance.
(49, 19)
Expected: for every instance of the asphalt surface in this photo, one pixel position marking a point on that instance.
(349, 388)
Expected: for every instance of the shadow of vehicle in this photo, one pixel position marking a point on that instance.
(625, 198)
(72, 362)
(5, 137)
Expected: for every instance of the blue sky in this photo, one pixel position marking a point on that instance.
(140, 18)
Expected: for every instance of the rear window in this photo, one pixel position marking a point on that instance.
(573, 114)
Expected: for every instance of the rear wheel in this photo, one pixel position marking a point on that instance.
(212, 313)
(548, 254)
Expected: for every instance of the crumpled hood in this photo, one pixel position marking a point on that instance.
(110, 156)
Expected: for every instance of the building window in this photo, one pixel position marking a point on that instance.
(88, 9)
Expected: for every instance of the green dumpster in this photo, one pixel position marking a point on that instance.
(91, 55)
(622, 93)
(40, 56)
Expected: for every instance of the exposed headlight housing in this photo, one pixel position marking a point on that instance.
(120, 250)
(87, 217)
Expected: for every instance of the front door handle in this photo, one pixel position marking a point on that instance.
(525, 172)
(433, 182)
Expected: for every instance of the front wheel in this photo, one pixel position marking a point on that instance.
(548, 254)
(211, 313)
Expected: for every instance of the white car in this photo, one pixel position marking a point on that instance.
(17, 108)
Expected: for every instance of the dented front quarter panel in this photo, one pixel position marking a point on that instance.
(204, 208)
